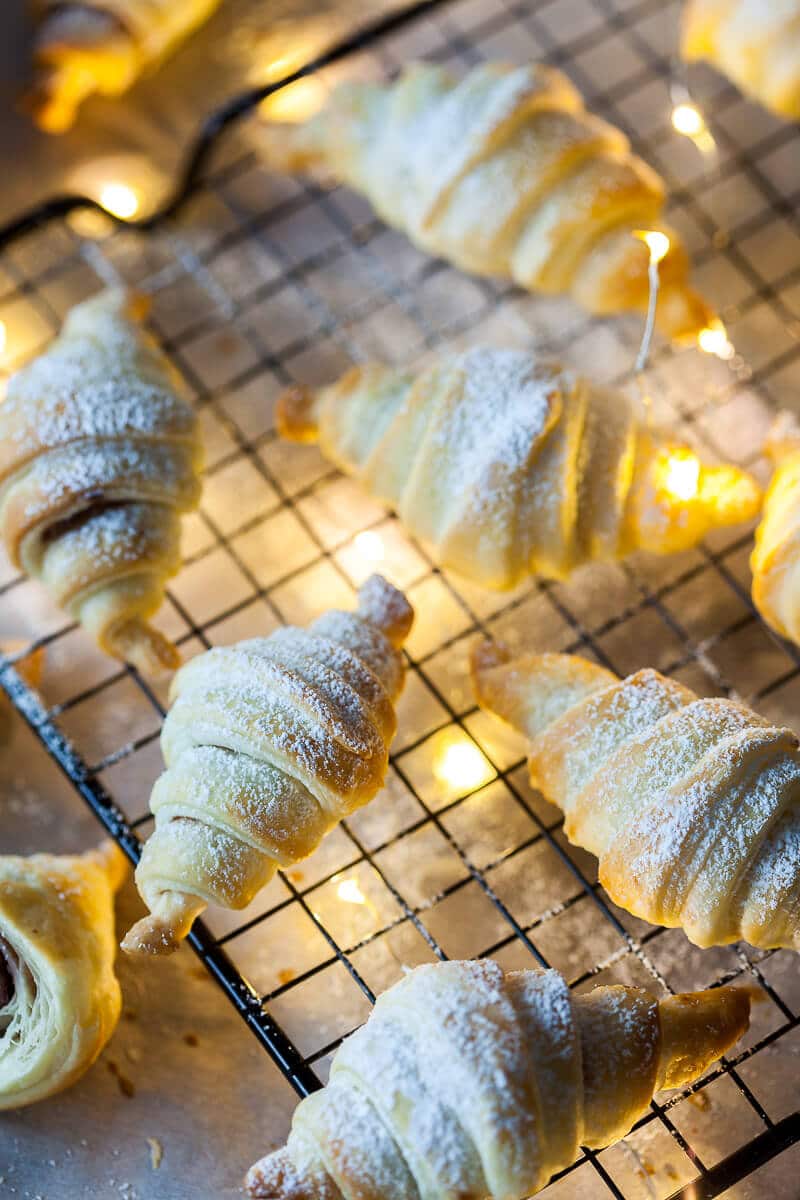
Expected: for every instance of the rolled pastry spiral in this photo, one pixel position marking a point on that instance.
(99, 456)
(756, 44)
(59, 997)
(691, 805)
(507, 465)
(466, 1081)
(503, 173)
(775, 561)
(268, 745)
(101, 46)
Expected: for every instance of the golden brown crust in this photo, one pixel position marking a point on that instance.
(466, 1081)
(691, 805)
(101, 46)
(756, 45)
(61, 999)
(268, 745)
(99, 456)
(508, 465)
(503, 173)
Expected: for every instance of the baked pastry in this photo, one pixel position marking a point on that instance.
(503, 173)
(775, 561)
(99, 456)
(59, 997)
(508, 465)
(268, 745)
(692, 805)
(102, 46)
(466, 1081)
(757, 45)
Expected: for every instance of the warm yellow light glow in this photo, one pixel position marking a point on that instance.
(369, 545)
(714, 340)
(120, 200)
(296, 103)
(688, 120)
(461, 766)
(682, 475)
(3, 336)
(657, 243)
(349, 891)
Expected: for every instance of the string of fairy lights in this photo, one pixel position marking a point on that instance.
(458, 762)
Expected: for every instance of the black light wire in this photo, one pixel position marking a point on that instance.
(206, 140)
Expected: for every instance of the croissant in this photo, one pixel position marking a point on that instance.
(102, 46)
(692, 806)
(268, 745)
(775, 561)
(469, 1082)
(99, 456)
(755, 45)
(59, 997)
(508, 465)
(503, 173)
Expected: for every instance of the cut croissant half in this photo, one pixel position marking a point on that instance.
(59, 998)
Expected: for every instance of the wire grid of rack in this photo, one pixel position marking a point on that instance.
(260, 282)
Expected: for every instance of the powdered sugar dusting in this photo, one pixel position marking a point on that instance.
(386, 608)
(91, 433)
(466, 1082)
(101, 379)
(459, 127)
(92, 470)
(477, 450)
(683, 801)
(267, 744)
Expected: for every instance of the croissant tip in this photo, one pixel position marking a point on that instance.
(144, 647)
(136, 304)
(44, 102)
(486, 655)
(275, 1177)
(682, 314)
(385, 607)
(169, 921)
(149, 937)
(123, 301)
(698, 1028)
(295, 418)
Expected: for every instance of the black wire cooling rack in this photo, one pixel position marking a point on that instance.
(259, 283)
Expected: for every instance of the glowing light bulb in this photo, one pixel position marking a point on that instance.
(461, 766)
(349, 891)
(120, 200)
(682, 475)
(296, 102)
(370, 545)
(656, 241)
(688, 120)
(714, 340)
(3, 336)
